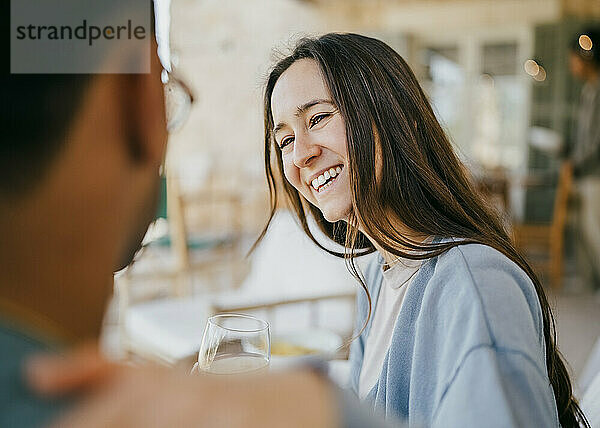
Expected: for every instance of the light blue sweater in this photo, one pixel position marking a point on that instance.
(468, 346)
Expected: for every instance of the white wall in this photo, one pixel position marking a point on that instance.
(224, 49)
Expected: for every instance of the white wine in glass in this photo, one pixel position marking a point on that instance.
(234, 344)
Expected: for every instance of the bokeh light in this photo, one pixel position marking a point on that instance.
(585, 42)
(531, 67)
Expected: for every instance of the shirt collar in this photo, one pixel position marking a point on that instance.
(401, 272)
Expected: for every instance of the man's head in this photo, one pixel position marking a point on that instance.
(584, 55)
(80, 159)
(104, 136)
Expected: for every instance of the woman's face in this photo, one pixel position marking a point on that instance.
(312, 136)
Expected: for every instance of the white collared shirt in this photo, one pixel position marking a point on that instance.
(396, 281)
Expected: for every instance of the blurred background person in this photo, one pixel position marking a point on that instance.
(584, 64)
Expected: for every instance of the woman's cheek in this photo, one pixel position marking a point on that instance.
(292, 174)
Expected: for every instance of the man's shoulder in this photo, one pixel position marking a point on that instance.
(20, 342)
(18, 406)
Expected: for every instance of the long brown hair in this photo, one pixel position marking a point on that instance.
(423, 184)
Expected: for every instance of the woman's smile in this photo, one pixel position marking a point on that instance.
(324, 180)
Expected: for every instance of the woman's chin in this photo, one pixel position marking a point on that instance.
(335, 215)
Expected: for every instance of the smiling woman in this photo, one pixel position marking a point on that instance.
(461, 333)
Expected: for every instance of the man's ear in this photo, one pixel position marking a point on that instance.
(143, 98)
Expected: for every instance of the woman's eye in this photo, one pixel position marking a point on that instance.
(285, 142)
(317, 118)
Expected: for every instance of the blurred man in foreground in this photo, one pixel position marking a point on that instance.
(80, 159)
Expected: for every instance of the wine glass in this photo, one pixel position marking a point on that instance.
(234, 344)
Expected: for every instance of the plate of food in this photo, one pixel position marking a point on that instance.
(297, 344)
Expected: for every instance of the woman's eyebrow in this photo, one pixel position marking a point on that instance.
(300, 110)
(278, 128)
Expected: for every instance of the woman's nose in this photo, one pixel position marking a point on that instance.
(305, 151)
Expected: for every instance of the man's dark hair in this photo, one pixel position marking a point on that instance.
(35, 112)
(35, 115)
(592, 55)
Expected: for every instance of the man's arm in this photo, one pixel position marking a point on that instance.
(117, 396)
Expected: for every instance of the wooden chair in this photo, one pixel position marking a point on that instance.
(314, 296)
(548, 238)
(156, 295)
(206, 233)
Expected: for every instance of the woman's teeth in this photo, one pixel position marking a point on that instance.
(328, 175)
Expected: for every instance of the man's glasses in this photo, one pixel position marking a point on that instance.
(178, 100)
